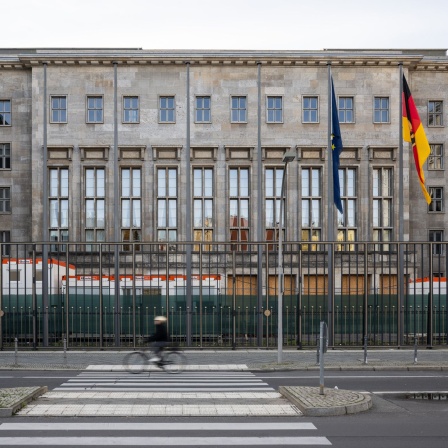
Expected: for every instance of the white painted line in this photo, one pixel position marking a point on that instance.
(161, 383)
(174, 426)
(162, 441)
(235, 381)
(166, 389)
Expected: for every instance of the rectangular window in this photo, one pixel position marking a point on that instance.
(5, 156)
(166, 109)
(239, 206)
(166, 205)
(203, 219)
(435, 159)
(5, 112)
(381, 110)
(311, 207)
(435, 113)
(436, 236)
(310, 109)
(203, 114)
(347, 224)
(131, 109)
(436, 205)
(5, 237)
(58, 207)
(273, 196)
(346, 110)
(94, 109)
(131, 215)
(238, 109)
(382, 206)
(274, 109)
(5, 200)
(58, 112)
(95, 206)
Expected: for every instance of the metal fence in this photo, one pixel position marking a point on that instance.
(223, 295)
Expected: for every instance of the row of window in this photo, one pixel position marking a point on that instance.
(204, 196)
(238, 110)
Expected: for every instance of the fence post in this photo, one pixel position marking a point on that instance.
(365, 349)
(318, 350)
(65, 349)
(415, 349)
(16, 347)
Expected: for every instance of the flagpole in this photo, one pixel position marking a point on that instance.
(330, 217)
(400, 279)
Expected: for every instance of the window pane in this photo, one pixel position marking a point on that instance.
(136, 213)
(125, 213)
(172, 213)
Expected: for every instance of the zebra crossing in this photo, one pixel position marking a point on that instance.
(269, 433)
(190, 393)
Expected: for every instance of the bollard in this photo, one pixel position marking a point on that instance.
(16, 348)
(365, 349)
(65, 349)
(415, 350)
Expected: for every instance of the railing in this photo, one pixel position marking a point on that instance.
(231, 298)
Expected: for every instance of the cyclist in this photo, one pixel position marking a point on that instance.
(159, 339)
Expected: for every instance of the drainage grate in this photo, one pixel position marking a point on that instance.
(427, 396)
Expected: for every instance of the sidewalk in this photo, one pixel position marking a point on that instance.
(288, 401)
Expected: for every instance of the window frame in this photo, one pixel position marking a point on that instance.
(125, 109)
(2, 112)
(5, 239)
(309, 110)
(202, 109)
(173, 109)
(382, 198)
(167, 197)
(271, 231)
(204, 200)
(381, 110)
(58, 109)
(5, 158)
(239, 198)
(88, 109)
(96, 198)
(344, 226)
(437, 249)
(5, 201)
(433, 157)
(238, 109)
(268, 109)
(312, 200)
(432, 207)
(435, 114)
(345, 109)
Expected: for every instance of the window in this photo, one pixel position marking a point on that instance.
(203, 109)
(5, 237)
(347, 221)
(273, 192)
(5, 113)
(381, 110)
(239, 206)
(238, 109)
(94, 109)
(345, 109)
(166, 204)
(275, 109)
(436, 194)
(435, 159)
(311, 206)
(58, 109)
(95, 202)
(131, 215)
(58, 207)
(435, 113)
(436, 236)
(5, 200)
(203, 221)
(382, 206)
(310, 111)
(166, 112)
(5, 156)
(131, 109)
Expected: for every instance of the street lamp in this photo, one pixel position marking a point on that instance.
(289, 156)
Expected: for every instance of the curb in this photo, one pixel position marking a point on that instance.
(23, 401)
(333, 402)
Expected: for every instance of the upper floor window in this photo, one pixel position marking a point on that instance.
(5, 112)
(310, 109)
(347, 225)
(382, 205)
(203, 114)
(203, 220)
(58, 197)
(346, 109)
(274, 109)
(131, 109)
(436, 194)
(381, 110)
(238, 109)
(58, 109)
(435, 159)
(5, 156)
(5, 200)
(94, 109)
(273, 196)
(95, 205)
(239, 205)
(436, 236)
(166, 204)
(311, 206)
(131, 214)
(435, 113)
(166, 109)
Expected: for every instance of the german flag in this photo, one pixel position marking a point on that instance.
(414, 133)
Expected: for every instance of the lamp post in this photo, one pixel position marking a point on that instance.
(289, 156)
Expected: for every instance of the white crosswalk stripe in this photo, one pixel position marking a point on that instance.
(269, 433)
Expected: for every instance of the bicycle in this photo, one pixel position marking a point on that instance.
(172, 360)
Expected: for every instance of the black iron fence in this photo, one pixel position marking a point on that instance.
(223, 295)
